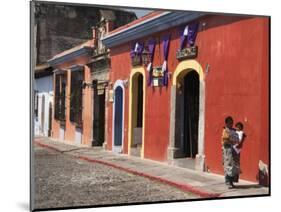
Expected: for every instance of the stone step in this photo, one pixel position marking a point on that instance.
(136, 151)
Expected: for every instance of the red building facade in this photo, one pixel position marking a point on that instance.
(228, 75)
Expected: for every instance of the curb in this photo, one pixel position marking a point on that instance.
(181, 186)
(47, 146)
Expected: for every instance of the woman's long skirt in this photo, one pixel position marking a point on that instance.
(231, 164)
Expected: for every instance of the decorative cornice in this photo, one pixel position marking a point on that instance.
(85, 50)
(155, 24)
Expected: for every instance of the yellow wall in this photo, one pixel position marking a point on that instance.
(132, 107)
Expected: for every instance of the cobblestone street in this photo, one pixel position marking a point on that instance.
(64, 181)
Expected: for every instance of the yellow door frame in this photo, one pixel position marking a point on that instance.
(182, 69)
(134, 71)
(186, 66)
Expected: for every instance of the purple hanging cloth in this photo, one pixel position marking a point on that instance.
(183, 37)
(188, 35)
(133, 53)
(192, 33)
(136, 50)
(166, 42)
(139, 48)
(151, 49)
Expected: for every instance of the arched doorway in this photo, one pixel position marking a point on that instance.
(137, 111)
(118, 117)
(187, 114)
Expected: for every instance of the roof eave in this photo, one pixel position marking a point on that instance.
(85, 50)
(150, 26)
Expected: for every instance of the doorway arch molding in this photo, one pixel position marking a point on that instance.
(184, 67)
(181, 70)
(134, 71)
(118, 83)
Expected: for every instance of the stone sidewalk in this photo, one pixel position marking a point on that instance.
(204, 184)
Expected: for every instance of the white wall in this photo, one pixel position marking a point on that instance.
(44, 86)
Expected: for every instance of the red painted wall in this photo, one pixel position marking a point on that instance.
(238, 58)
(237, 84)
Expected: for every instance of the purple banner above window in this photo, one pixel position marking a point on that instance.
(188, 35)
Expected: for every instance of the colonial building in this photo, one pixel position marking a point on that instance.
(176, 76)
(57, 27)
(80, 83)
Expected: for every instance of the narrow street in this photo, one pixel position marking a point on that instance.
(151, 107)
(64, 181)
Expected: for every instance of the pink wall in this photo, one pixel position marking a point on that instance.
(87, 106)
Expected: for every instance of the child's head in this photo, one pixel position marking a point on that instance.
(228, 122)
(239, 126)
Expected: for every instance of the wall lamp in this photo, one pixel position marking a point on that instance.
(87, 85)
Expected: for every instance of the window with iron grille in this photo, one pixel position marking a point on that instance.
(60, 92)
(76, 94)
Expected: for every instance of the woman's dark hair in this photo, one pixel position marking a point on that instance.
(228, 119)
(240, 125)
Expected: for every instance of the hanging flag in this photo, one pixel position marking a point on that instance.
(132, 53)
(166, 42)
(151, 49)
(136, 47)
(183, 37)
(189, 35)
(185, 32)
(136, 50)
(192, 33)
